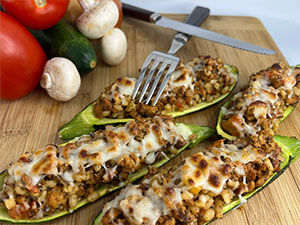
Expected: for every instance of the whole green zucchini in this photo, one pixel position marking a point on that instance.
(202, 134)
(65, 41)
(226, 105)
(290, 151)
(85, 120)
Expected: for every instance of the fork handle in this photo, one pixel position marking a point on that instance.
(137, 13)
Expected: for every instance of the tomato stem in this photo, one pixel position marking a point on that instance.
(40, 3)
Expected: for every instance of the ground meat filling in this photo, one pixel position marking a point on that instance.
(261, 106)
(203, 79)
(196, 191)
(57, 178)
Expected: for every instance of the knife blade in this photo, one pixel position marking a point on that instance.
(197, 16)
(148, 16)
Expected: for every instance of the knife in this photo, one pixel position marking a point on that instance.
(197, 16)
(148, 16)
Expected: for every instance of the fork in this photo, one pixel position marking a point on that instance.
(165, 60)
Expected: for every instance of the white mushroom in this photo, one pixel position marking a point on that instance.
(98, 17)
(61, 79)
(113, 46)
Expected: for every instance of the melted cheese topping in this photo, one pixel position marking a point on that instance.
(144, 210)
(209, 172)
(137, 208)
(202, 171)
(120, 143)
(183, 76)
(260, 98)
(122, 87)
(41, 162)
(116, 142)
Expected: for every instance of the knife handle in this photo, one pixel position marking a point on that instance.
(137, 13)
(197, 16)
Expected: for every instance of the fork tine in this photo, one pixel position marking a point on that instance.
(142, 74)
(165, 81)
(149, 77)
(156, 80)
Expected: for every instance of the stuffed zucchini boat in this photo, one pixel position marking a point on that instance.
(56, 180)
(204, 186)
(200, 83)
(271, 96)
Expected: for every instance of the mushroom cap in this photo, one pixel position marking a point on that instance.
(113, 46)
(61, 79)
(97, 20)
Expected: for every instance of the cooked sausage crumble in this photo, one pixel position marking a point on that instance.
(196, 191)
(261, 106)
(203, 79)
(56, 178)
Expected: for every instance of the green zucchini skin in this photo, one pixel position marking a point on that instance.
(202, 133)
(221, 115)
(85, 120)
(290, 151)
(65, 41)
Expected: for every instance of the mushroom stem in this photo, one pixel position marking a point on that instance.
(46, 80)
(86, 4)
(61, 79)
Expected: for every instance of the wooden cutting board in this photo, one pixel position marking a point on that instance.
(33, 121)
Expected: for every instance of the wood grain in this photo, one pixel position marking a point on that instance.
(33, 121)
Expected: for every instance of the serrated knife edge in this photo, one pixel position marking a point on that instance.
(209, 35)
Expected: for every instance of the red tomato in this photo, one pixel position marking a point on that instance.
(22, 59)
(36, 14)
